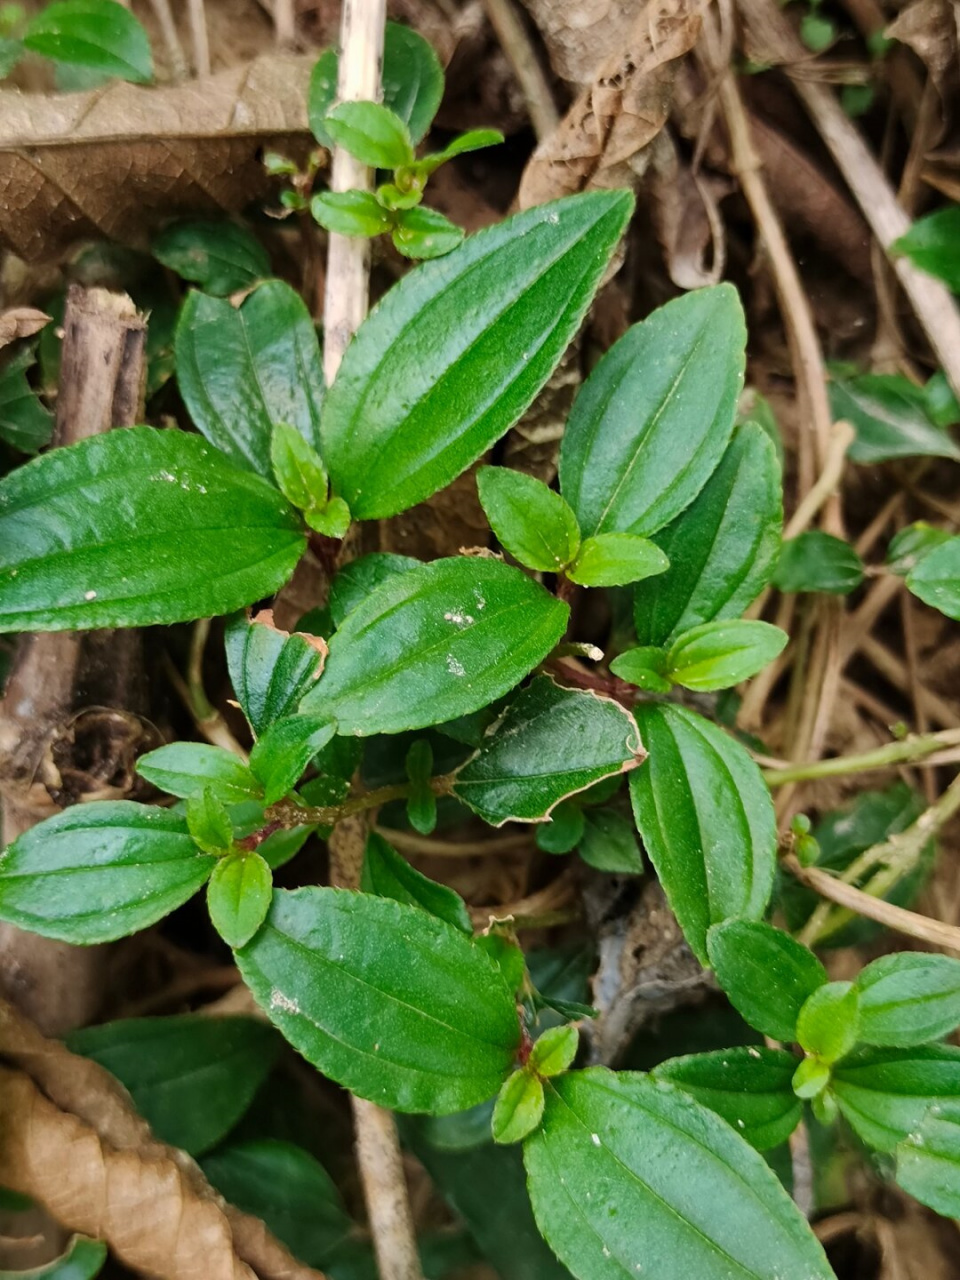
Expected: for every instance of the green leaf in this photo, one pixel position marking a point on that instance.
(271, 671)
(940, 402)
(827, 1024)
(909, 545)
(11, 51)
(238, 896)
(749, 1087)
(534, 524)
(288, 1189)
(563, 829)
(766, 974)
(389, 875)
(25, 423)
(718, 655)
(554, 1052)
(99, 35)
(333, 520)
(817, 561)
(350, 213)
(908, 998)
(425, 233)
(456, 351)
(706, 819)
(412, 83)
(433, 644)
(616, 559)
(936, 579)
(280, 756)
(645, 667)
(630, 1175)
(138, 527)
(810, 1081)
(191, 1077)
(82, 1259)
(518, 1109)
(654, 418)
(297, 468)
(928, 1161)
(609, 843)
(885, 1093)
(100, 871)
(186, 768)
(472, 140)
(933, 245)
(208, 822)
(890, 418)
(550, 743)
(241, 370)
(372, 133)
(395, 1005)
(358, 578)
(421, 801)
(816, 32)
(221, 257)
(722, 549)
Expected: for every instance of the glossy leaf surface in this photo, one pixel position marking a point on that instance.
(371, 132)
(241, 370)
(885, 1093)
(550, 743)
(283, 752)
(828, 1021)
(909, 998)
(890, 418)
(134, 528)
(518, 1109)
(718, 655)
(238, 896)
(749, 1087)
(385, 999)
(456, 351)
(271, 672)
(186, 768)
(936, 579)
(433, 644)
(191, 1077)
(933, 245)
(616, 559)
(766, 974)
(609, 843)
(706, 819)
(631, 1176)
(531, 521)
(722, 549)
(100, 871)
(652, 421)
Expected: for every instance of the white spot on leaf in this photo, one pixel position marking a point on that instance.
(454, 667)
(279, 1001)
(89, 595)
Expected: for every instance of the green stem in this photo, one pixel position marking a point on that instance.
(894, 753)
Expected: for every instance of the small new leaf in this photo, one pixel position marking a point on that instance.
(718, 655)
(616, 559)
(421, 802)
(424, 233)
(350, 213)
(333, 520)
(827, 1024)
(645, 667)
(372, 133)
(298, 468)
(936, 579)
(811, 1078)
(209, 823)
(817, 561)
(519, 1107)
(554, 1052)
(238, 896)
(532, 522)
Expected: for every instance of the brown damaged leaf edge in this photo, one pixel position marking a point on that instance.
(70, 1138)
(114, 161)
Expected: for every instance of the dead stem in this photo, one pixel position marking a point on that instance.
(521, 55)
(168, 30)
(910, 750)
(198, 37)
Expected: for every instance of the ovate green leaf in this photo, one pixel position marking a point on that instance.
(350, 213)
(241, 370)
(221, 257)
(717, 655)
(99, 35)
(433, 644)
(766, 974)
(890, 418)
(238, 896)
(285, 749)
(722, 549)
(532, 522)
(186, 768)
(616, 559)
(749, 1087)
(100, 871)
(550, 743)
(653, 420)
(933, 245)
(425, 233)
(706, 819)
(389, 875)
(828, 1021)
(519, 1107)
(385, 999)
(885, 1093)
(271, 671)
(909, 998)
(457, 350)
(609, 843)
(817, 561)
(25, 423)
(192, 1077)
(630, 1176)
(936, 579)
(138, 527)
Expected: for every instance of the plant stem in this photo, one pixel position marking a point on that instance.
(910, 749)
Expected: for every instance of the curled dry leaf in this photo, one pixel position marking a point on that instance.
(113, 161)
(21, 322)
(686, 216)
(602, 141)
(581, 37)
(73, 1141)
(931, 28)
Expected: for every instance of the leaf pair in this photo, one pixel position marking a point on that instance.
(715, 655)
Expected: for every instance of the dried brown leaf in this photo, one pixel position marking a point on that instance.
(686, 217)
(72, 1140)
(603, 139)
(21, 322)
(581, 37)
(931, 28)
(113, 161)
